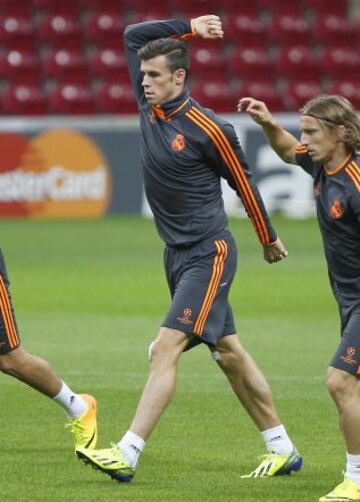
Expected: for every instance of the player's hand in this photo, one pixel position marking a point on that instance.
(209, 27)
(275, 251)
(257, 110)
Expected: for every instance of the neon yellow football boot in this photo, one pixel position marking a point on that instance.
(84, 428)
(273, 464)
(346, 491)
(110, 461)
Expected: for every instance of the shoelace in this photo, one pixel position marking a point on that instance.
(76, 428)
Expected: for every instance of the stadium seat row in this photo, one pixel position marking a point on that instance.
(119, 98)
(196, 7)
(109, 65)
(105, 29)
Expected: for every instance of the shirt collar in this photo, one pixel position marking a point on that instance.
(168, 110)
(330, 172)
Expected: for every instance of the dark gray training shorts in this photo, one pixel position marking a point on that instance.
(9, 339)
(199, 279)
(347, 356)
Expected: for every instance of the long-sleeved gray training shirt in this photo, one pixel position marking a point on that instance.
(185, 149)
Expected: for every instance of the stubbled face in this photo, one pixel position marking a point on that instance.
(320, 142)
(159, 83)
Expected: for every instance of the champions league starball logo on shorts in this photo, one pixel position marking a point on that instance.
(58, 173)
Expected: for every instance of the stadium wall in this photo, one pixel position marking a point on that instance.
(59, 167)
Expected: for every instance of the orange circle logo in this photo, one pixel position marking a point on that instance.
(336, 210)
(178, 143)
(60, 173)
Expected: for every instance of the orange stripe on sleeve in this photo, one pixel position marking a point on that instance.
(354, 175)
(6, 312)
(218, 268)
(186, 36)
(231, 160)
(242, 181)
(355, 167)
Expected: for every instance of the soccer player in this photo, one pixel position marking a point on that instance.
(186, 149)
(36, 372)
(329, 152)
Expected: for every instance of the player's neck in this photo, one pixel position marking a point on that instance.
(339, 157)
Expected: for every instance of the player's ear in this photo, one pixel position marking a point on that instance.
(179, 76)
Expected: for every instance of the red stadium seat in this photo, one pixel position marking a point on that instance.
(115, 98)
(60, 32)
(236, 8)
(347, 88)
(144, 6)
(58, 7)
(109, 65)
(20, 8)
(325, 7)
(67, 67)
(103, 6)
(264, 91)
(281, 7)
(20, 67)
(341, 63)
(334, 31)
(71, 99)
(297, 62)
(148, 14)
(289, 30)
(195, 7)
(298, 93)
(244, 30)
(216, 95)
(104, 30)
(250, 63)
(24, 100)
(208, 63)
(17, 33)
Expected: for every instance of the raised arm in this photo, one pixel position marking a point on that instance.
(280, 140)
(137, 35)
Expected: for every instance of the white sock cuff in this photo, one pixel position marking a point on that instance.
(269, 434)
(131, 438)
(353, 459)
(74, 404)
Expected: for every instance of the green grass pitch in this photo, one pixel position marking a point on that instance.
(89, 297)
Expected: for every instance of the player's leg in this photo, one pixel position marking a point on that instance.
(32, 370)
(344, 387)
(247, 381)
(37, 373)
(120, 461)
(253, 391)
(160, 386)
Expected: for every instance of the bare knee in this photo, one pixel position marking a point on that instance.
(153, 349)
(10, 362)
(231, 355)
(339, 383)
(227, 359)
(168, 345)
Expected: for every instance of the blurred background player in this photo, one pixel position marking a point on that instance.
(329, 152)
(37, 373)
(186, 149)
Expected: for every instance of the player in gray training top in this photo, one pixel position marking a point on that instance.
(329, 152)
(186, 149)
